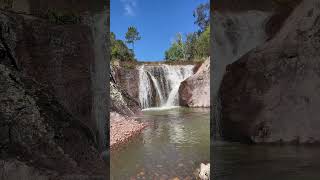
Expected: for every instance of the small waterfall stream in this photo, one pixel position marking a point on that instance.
(159, 84)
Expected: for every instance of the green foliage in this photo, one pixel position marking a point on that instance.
(202, 15)
(177, 50)
(62, 17)
(132, 36)
(174, 53)
(194, 47)
(203, 44)
(190, 45)
(119, 50)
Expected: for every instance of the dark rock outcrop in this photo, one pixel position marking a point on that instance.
(272, 93)
(48, 115)
(195, 90)
(60, 57)
(39, 8)
(36, 129)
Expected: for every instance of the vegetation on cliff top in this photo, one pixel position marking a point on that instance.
(132, 36)
(119, 48)
(195, 45)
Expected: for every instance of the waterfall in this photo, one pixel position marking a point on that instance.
(159, 84)
(144, 88)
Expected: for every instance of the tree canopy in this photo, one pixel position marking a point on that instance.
(119, 50)
(202, 15)
(195, 45)
(132, 36)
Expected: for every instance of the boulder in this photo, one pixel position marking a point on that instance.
(195, 90)
(271, 94)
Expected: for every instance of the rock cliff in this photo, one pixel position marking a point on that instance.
(128, 79)
(48, 118)
(271, 94)
(36, 129)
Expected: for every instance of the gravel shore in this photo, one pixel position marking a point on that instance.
(123, 129)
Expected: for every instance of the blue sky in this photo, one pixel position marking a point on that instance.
(158, 21)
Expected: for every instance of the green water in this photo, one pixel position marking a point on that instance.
(234, 161)
(173, 145)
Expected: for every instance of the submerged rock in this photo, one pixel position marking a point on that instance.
(195, 90)
(271, 94)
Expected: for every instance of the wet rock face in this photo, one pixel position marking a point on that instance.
(195, 90)
(36, 129)
(272, 93)
(59, 57)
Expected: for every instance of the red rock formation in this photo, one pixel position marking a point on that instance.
(195, 90)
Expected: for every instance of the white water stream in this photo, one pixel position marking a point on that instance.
(159, 84)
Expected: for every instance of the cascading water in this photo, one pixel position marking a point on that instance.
(159, 84)
(144, 88)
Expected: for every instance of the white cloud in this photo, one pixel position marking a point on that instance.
(129, 7)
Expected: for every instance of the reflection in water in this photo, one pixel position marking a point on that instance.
(265, 162)
(173, 145)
